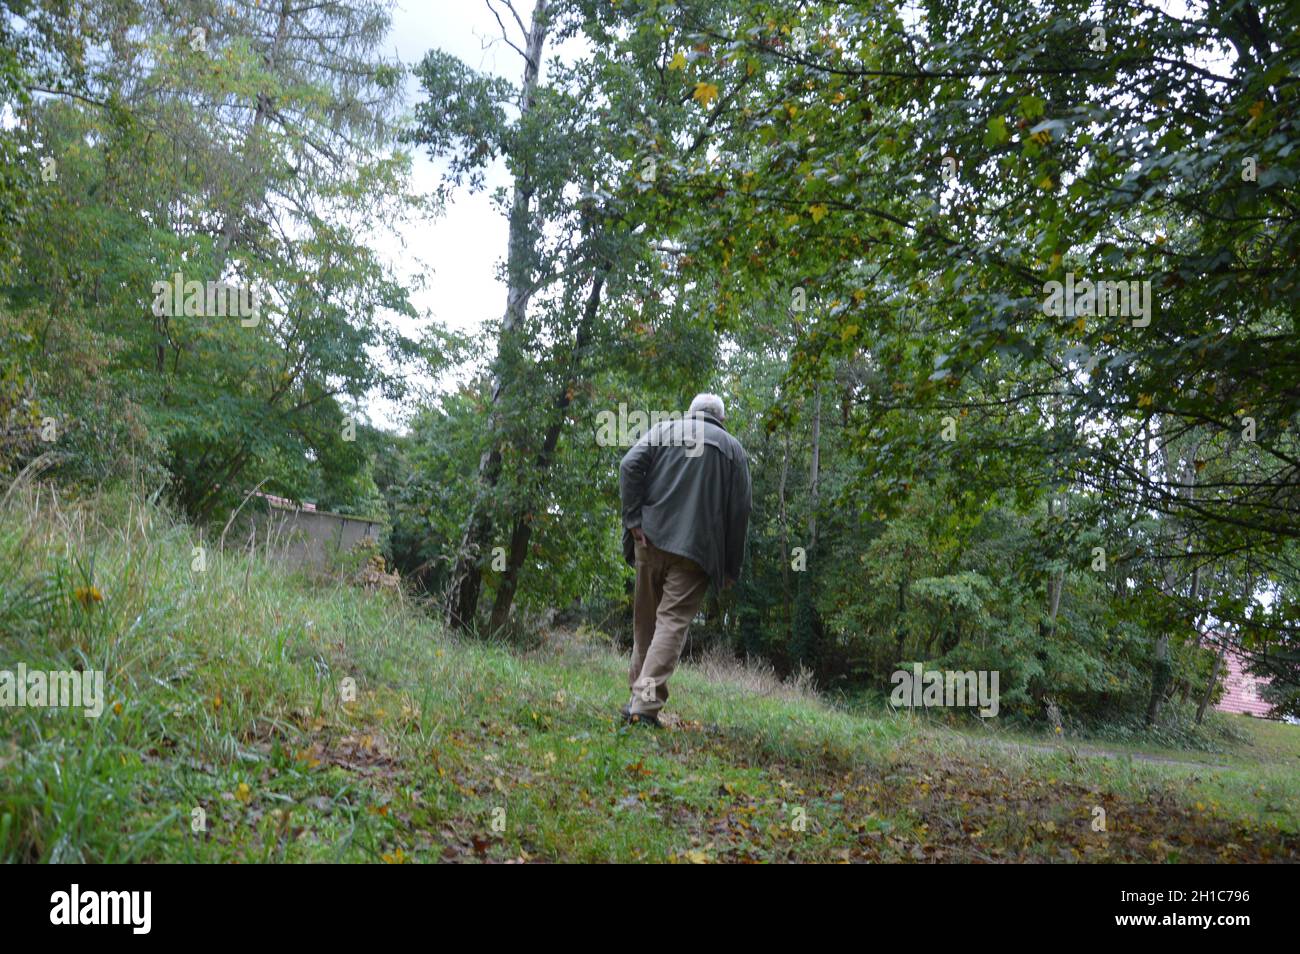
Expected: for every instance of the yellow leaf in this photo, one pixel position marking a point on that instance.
(678, 62)
(697, 857)
(705, 93)
(1144, 400)
(848, 332)
(243, 792)
(818, 212)
(1046, 183)
(306, 756)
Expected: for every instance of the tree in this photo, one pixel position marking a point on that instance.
(239, 143)
(589, 250)
(927, 178)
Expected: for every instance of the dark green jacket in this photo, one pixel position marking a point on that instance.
(686, 485)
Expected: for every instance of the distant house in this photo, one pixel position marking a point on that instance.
(1241, 690)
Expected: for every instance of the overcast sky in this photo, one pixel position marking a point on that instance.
(459, 252)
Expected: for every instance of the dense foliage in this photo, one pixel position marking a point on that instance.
(869, 226)
(192, 144)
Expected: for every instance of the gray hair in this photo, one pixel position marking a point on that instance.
(709, 404)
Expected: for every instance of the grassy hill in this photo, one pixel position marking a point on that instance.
(224, 694)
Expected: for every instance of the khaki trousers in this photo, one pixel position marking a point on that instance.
(669, 589)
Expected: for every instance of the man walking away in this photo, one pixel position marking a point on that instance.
(686, 500)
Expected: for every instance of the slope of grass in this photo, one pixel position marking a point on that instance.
(229, 694)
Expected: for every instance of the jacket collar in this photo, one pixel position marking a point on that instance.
(703, 416)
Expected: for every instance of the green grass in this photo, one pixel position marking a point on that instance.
(1233, 741)
(1251, 767)
(224, 691)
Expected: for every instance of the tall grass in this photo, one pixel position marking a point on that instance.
(205, 653)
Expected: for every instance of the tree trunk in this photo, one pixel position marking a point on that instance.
(806, 626)
(1159, 678)
(785, 532)
(1162, 669)
(1209, 686)
(232, 219)
(522, 531)
(814, 470)
(1055, 584)
(467, 578)
(900, 634)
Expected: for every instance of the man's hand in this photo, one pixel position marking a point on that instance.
(638, 536)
